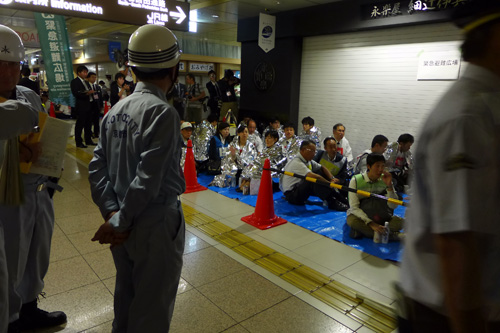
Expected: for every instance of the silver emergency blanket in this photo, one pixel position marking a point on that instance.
(183, 157)
(253, 138)
(391, 154)
(201, 140)
(314, 135)
(275, 156)
(230, 165)
(280, 130)
(291, 149)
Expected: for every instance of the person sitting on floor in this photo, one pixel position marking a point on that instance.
(290, 143)
(241, 153)
(201, 140)
(333, 161)
(310, 131)
(399, 160)
(379, 145)
(366, 214)
(343, 146)
(297, 190)
(274, 153)
(254, 136)
(218, 148)
(274, 124)
(186, 131)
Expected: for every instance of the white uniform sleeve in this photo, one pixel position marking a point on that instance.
(464, 177)
(348, 151)
(17, 118)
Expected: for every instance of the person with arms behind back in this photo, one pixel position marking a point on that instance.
(136, 181)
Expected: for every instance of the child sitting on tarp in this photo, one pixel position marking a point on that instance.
(368, 214)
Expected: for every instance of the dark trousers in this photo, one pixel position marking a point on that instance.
(83, 122)
(305, 189)
(214, 107)
(95, 114)
(422, 319)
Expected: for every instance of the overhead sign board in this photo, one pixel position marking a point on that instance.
(170, 13)
(392, 8)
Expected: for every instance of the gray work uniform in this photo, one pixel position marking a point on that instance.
(28, 232)
(17, 118)
(135, 172)
(457, 173)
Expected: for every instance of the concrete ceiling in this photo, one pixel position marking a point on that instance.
(217, 21)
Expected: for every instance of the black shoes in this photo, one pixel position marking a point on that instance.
(31, 317)
(81, 145)
(354, 234)
(338, 206)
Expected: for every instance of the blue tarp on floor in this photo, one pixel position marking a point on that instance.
(315, 217)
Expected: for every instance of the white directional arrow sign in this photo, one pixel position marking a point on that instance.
(180, 15)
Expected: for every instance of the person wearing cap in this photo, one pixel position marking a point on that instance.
(450, 274)
(27, 228)
(186, 131)
(136, 182)
(17, 118)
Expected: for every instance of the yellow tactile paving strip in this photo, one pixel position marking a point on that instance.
(373, 315)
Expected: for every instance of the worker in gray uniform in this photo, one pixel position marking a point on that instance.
(27, 228)
(17, 118)
(136, 181)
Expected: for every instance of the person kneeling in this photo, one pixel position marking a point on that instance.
(367, 215)
(297, 191)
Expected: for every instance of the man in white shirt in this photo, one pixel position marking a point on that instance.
(343, 146)
(254, 137)
(297, 190)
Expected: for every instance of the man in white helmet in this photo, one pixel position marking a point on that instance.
(136, 181)
(27, 228)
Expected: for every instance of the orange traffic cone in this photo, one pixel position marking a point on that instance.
(52, 111)
(106, 107)
(264, 217)
(190, 171)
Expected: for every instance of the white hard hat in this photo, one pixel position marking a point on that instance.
(11, 45)
(153, 47)
(186, 124)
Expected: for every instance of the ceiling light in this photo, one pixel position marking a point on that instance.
(215, 16)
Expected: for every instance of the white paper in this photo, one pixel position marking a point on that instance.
(53, 142)
(439, 66)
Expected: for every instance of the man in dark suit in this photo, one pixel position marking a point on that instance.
(27, 82)
(96, 104)
(215, 94)
(178, 94)
(83, 95)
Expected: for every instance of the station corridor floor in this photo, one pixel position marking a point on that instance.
(236, 278)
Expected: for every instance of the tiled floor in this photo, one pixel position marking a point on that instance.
(220, 291)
